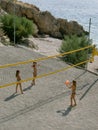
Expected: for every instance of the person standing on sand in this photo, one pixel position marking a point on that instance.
(73, 94)
(34, 72)
(18, 79)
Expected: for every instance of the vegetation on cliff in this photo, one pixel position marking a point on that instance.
(20, 25)
(46, 23)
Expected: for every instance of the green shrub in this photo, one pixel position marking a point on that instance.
(20, 25)
(74, 42)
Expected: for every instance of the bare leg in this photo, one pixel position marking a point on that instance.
(71, 101)
(74, 101)
(16, 87)
(33, 81)
(21, 88)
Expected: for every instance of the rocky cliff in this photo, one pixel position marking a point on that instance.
(46, 23)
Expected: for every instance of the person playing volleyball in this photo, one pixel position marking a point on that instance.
(34, 72)
(18, 79)
(73, 94)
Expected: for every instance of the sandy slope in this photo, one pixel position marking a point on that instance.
(50, 46)
(47, 46)
(45, 106)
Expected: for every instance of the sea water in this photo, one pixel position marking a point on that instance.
(73, 10)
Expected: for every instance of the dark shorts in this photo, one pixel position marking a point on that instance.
(73, 94)
(18, 81)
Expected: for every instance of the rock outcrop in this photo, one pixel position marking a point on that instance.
(46, 23)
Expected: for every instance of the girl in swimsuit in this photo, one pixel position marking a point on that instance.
(18, 79)
(73, 94)
(34, 72)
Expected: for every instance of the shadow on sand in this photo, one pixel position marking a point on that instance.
(11, 96)
(28, 88)
(88, 89)
(65, 112)
(15, 94)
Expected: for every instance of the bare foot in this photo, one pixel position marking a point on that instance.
(74, 104)
(32, 84)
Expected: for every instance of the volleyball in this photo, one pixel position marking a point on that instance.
(67, 82)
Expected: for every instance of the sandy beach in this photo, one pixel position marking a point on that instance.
(47, 46)
(50, 46)
(45, 106)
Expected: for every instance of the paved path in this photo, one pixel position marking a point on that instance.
(94, 65)
(45, 106)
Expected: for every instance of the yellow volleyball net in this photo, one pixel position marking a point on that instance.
(43, 59)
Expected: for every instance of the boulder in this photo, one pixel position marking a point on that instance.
(47, 24)
(29, 42)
